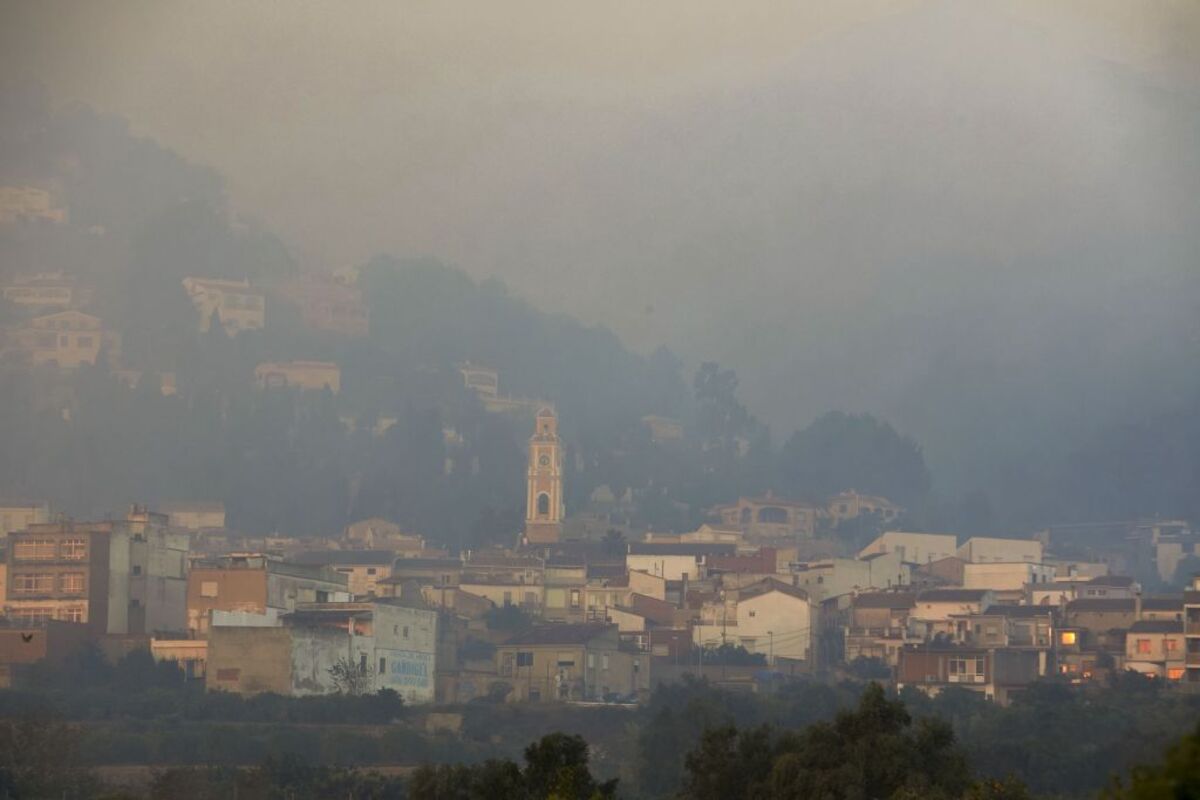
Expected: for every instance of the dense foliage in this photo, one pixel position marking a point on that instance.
(556, 766)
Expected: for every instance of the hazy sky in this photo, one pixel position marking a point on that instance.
(838, 198)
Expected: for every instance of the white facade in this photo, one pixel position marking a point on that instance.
(915, 548)
(981, 549)
(776, 623)
(1006, 575)
(669, 567)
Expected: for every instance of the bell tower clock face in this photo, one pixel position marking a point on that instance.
(544, 460)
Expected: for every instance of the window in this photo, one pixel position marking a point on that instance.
(524, 659)
(1143, 646)
(591, 661)
(362, 663)
(1170, 645)
(1175, 673)
(208, 588)
(543, 505)
(73, 549)
(574, 598)
(405, 631)
(965, 667)
(30, 616)
(73, 614)
(604, 661)
(34, 550)
(752, 613)
(137, 569)
(382, 666)
(1068, 637)
(33, 583)
(71, 582)
(370, 570)
(508, 598)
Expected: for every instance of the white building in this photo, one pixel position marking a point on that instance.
(915, 548)
(980, 549)
(769, 617)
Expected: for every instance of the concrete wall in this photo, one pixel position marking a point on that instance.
(405, 651)
(915, 548)
(982, 549)
(1005, 575)
(250, 660)
(669, 567)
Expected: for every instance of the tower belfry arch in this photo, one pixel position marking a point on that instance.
(544, 498)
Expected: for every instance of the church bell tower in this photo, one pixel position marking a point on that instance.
(544, 500)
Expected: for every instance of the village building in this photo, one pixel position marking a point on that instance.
(1191, 632)
(851, 505)
(66, 339)
(1156, 648)
(364, 569)
(914, 548)
(308, 375)
(255, 584)
(320, 648)
(663, 429)
(328, 305)
(998, 674)
(984, 549)
(571, 662)
(770, 518)
(17, 515)
(237, 305)
(46, 290)
(674, 562)
(24, 203)
(194, 516)
(770, 617)
(125, 576)
(878, 626)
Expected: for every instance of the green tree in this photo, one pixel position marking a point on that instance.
(1176, 777)
(854, 451)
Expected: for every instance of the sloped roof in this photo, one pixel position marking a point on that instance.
(1156, 626)
(768, 585)
(1114, 604)
(1168, 603)
(952, 595)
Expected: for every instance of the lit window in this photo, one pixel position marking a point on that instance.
(1170, 645)
(33, 583)
(1143, 646)
(1068, 637)
(1175, 673)
(34, 550)
(208, 588)
(71, 582)
(73, 549)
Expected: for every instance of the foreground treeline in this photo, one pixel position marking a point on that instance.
(1057, 740)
